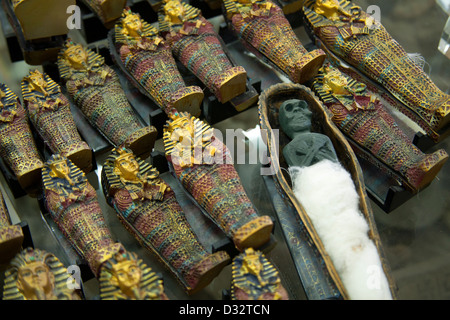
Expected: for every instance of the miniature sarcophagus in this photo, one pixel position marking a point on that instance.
(148, 208)
(96, 90)
(317, 174)
(17, 146)
(348, 33)
(148, 62)
(196, 44)
(49, 112)
(73, 205)
(263, 28)
(363, 119)
(11, 236)
(203, 165)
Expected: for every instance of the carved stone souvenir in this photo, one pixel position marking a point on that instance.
(49, 111)
(126, 277)
(96, 90)
(196, 44)
(350, 34)
(148, 208)
(262, 26)
(255, 278)
(73, 205)
(203, 165)
(37, 275)
(306, 147)
(42, 19)
(149, 60)
(333, 198)
(17, 146)
(364, 120)
(108, 11)
(11, 236)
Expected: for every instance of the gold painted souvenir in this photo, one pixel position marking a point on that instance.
(255, 278)
(149, 61)
(37, 275)
(348, 33)
(17, 145)
(96, 90)
(49, 111)
(126, 277)
(108, 11)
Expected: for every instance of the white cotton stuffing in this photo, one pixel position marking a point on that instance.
(328, 195)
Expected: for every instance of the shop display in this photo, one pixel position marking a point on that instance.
(196, 44)
(39, 19)
(36, 274)
(148, 208)
(148, 59)
(203, 165)
(108, 11)
(255, 278)
(11, 236)
(348, 33)
(362, 118)
(17, 146)
(262, 26)
(96, 90)
(49, 112)
(336, 186)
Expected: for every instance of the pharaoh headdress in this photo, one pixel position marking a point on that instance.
(112, 180)
(151, 283)
(94, 60)
(190, 13)
(77, 180)
(8, 104)
(28, 92)
(29, 255)
(254, 277)
(121, 34)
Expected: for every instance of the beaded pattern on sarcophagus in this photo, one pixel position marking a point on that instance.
(262, 24)
(72, 203)
(11, 236)
(363, 118)
(255, 278)
(49, 111)
(96, 90)
(150, 61)
(365, 44)
(204, 166)
(197, 46)
(17, 147)
(148, 208)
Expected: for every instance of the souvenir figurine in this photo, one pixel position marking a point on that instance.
(72, 203)
(255, 278)
(203, 165)
(364, 120)
(148, 208)
(320, 178)
(37, 275)
(49, 111)
(196, 44)
(96, 90)
(126, 277)
(11, 236)
(350, 34)
(17, 146)
(40, 20)
(264, 29)
(149, 61)
(108, 11)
